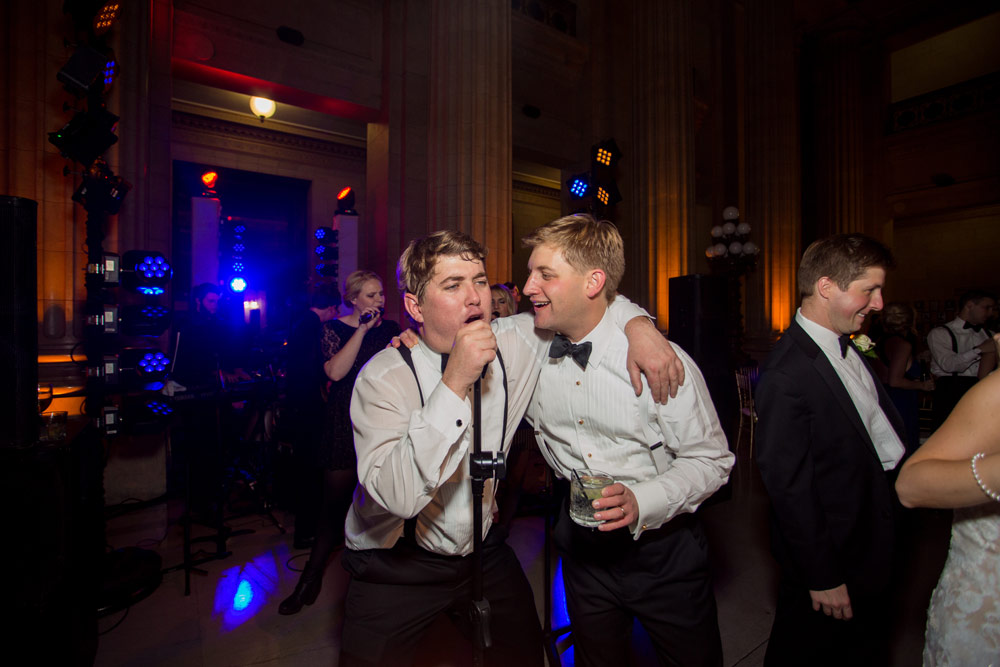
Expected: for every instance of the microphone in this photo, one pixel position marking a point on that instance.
(367, 317)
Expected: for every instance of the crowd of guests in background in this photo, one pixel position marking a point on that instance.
(840, 434)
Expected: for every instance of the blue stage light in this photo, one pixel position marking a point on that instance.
(238, 284)
(578, 185)
(146, 272)
(244, 595)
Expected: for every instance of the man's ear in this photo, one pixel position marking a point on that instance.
(595, 282)
(412, 305)
(825, 287)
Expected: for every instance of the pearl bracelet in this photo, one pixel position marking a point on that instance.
(979, 480)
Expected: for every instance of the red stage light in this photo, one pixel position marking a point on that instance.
(209, 178)
(344, 193)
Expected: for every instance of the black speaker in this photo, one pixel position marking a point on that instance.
(698, 318)
(19, 318)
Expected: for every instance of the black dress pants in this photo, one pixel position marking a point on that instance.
(396, 594)
(662, 579)
(802, 636)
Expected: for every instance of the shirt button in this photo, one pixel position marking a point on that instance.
(589, 455)
(577, 383)
(458, 422)
(644, 527)
(579, 421)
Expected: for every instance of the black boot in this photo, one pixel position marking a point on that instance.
(306, 592)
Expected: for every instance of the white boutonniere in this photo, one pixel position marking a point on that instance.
(865, 345)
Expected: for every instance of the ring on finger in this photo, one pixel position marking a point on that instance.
(624, 513)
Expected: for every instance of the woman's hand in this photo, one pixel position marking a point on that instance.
(375, 318)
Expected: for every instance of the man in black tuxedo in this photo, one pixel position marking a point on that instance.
(829, 443)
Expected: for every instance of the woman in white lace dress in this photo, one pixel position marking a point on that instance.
(959, 467)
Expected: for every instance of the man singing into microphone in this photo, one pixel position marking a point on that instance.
(409, 531)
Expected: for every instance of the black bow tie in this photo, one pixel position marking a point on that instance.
(561, 347)
(444, 360)
(975, 327)
(845, 341)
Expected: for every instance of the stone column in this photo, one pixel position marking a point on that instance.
(469, 125)
(31, 106)
(771, 172)
(663, 144)
(141, 97)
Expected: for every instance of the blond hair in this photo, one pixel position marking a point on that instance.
(354, 283)
(586, 243)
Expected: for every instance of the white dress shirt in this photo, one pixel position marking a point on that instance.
(414, 461)
(860, 386)
(944, 361)
(593, 419)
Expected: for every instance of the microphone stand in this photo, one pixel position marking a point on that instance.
(482, 466)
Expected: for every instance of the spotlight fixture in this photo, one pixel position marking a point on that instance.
(101, 190)
(85, 137)
(96, 15)
(148, 365)
(578, 186)
(144, 319)
(327, 251)
(209, 179)
(262, 107)
(87, 71)
(145, 272)
(607, 194)
(106, 17)
(238, 284)
(605, 154)
(345, 202)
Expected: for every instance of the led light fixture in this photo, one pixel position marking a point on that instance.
(146, 272)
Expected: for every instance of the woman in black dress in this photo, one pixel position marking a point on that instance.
(361, 333)
(897, 350)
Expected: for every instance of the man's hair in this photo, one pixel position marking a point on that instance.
(586, 243)
(974, 295)
(416, 264)
(843, 258)
(203, 290)
(324, 296)
(898, 318)
(356, 281)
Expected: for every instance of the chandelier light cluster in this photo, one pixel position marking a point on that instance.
(731, 247)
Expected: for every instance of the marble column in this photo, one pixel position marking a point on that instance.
(663, 145)
(771, 171)
(469, 125)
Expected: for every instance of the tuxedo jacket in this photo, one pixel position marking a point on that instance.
(832, 505)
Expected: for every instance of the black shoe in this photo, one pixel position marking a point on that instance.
(302, 543)
(305, 593)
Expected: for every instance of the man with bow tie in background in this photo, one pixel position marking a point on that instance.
(829, 441)
(648, 559)
(961, 351)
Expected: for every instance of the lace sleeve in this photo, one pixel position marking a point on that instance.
(330, 343)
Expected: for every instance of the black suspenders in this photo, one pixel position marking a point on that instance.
(410, 525)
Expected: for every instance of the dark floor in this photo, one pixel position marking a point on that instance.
(169, 628)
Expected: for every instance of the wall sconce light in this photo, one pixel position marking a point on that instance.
(262, 107)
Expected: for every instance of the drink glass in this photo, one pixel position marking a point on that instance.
(53, 427)
(584, 489)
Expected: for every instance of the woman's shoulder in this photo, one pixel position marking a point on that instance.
(340, 326)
